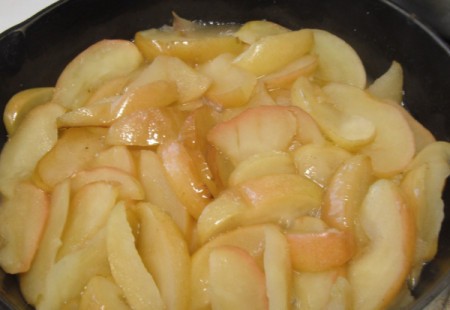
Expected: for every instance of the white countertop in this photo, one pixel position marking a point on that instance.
(13, 12)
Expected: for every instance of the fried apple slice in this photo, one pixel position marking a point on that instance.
(23, 218)
(33, 139)
(389, 85)
(254, 30)
(102, 293)
(119, 157)
(128, 270)
(117, 58)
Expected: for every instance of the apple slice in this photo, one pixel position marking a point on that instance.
(270, 53)
(89, 212)
(23, 218)
(147, 127)
(346, 191)
(23, 102)
(338, 61)
(393, 147)
(67, 279)
(109, 90)
(165, 254)
(254, 30)
(159, 192)
(318, 162)
(343, 127)
(243, 288)
(378, 273)
(102, 293)
(32, 282)
(231, 86)
(128, 270)
(389, 85)
(256, 130)
(116, 58)
(191, 84)
(119, 157)
(32, 140)
(262, 164)
(184, 177)
(128, 186)
(73, 151)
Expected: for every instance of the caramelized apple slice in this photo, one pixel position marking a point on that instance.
(256, 130)
(389, 85)
(75, 148)
(254, 30)
(231, 86)
(378, 273)
(128, 270)
(66, 279)
(23, 102)
(23, 218)
(273, 52)
(318, 162)
(33, 139)
(159, 191)
(81, 76)
(244, 288)
(102, 293)
(33, 281)
(118, 157)
(393, 146)
(165, 254)
(338, 61)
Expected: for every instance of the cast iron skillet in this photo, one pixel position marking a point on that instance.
(34, 53)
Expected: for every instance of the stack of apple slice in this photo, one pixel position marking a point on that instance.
(219, 167)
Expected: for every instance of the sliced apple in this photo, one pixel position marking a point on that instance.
(147, 127)
(243, 288)
(110, 90)
(191, 84)
(346, 191)
(393, 147)
(338, 61)
(389, 85)
(73, 151)
(231, 86)
(256, 130)
(342, 126)
(129, 187)
(318, 162)
(159, 192)
(23, 218)
(32, 140)
(262, 164)
(271, 53)
(116, 58)
(32, 282)
(165, 254)
(194, 45)
(118, 156)
(184, 177)
(308, 131)
(377, 274)
(66, 279)
(89, 212)
(102, 293)
(23, 102)
(254, 30)
(128, 270)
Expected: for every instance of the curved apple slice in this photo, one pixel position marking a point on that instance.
(119, 157)
(23, 102)
(270, 53)
(256, 130)
(116, 58)
(389, 85)
(378, 273)
(244, 288)
(128, 270)
(338, 61)
(165, 254)
(254, 30)
(393, 147)
(33, 139)
(102, 293)
(23, 218)
(128, 186)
